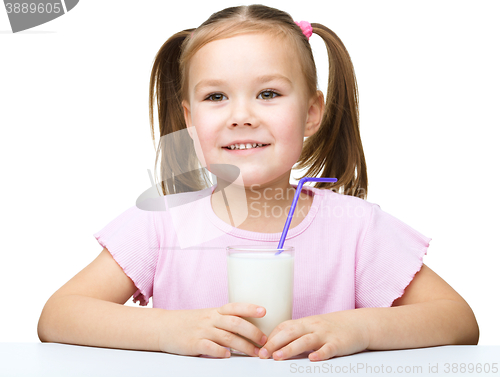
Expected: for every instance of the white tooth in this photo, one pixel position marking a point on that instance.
(254, 145)
(249, 146)
(242, 146)
(232, 146)
(260, 145)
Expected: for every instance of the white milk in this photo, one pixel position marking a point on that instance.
(263, 279)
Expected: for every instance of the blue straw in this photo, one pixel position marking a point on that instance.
(294, 204)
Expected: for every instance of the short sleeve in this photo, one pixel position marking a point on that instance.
(132, 240)
(387, 259)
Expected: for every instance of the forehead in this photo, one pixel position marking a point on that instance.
(242, 57)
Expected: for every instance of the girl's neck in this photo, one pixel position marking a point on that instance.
(259, 208)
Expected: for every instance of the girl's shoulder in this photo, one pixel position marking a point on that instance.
(155, 203)
(343, 210)
(332, 198)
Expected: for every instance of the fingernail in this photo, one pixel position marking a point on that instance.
(264, 353)
(257, 351)
(228, 354)
(278, 354)
(263, 340)
(260, 310)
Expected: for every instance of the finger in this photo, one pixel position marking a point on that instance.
(242, 309)
(228, 339)
(288, 331)
(303, 344)
(282, 325)
(273, 333)
(326, 352)
(242, 327)
(209, 348)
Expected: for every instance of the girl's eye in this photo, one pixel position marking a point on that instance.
(265, 95)
(268, 94)
(215, 97)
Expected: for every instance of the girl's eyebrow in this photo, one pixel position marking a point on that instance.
(260, 80)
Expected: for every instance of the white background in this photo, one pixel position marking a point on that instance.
(76, 143)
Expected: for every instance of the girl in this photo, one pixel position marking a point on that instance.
(243, 88)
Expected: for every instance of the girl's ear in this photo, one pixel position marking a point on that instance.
(187, 117)
(315, 114)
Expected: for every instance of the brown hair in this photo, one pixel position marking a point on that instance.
(335, 150)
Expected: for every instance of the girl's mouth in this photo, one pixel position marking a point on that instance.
(246, 151)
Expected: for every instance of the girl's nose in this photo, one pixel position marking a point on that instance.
(242, 114)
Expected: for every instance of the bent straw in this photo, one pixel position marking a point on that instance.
(294, 204)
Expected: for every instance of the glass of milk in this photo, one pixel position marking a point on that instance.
(257, 276)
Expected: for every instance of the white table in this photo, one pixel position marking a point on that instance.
(54, 360)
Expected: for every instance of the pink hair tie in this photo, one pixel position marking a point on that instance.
(306, 28)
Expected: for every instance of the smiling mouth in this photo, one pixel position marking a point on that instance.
(237, 147)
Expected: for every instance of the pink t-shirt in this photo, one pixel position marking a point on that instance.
(348, 253)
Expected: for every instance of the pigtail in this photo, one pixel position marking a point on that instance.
(336, 147)
(179, 166)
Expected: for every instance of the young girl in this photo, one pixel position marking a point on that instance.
(243, 86)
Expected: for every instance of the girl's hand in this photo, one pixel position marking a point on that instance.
(333, 334)
(207, 331)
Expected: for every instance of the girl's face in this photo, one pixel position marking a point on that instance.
(250, 89)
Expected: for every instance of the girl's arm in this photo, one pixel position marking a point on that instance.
(88, 310)
(430, 313)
